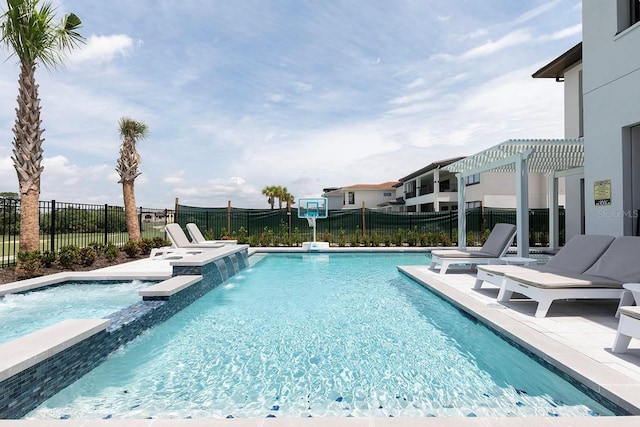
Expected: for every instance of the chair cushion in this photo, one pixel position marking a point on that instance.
(620, 261)
(558, 281)
(580, 253)
(500, 237)
(454, 253)
(631, 311)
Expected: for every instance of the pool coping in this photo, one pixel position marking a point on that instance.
(33, 348)
(97, 275)
(620, 389)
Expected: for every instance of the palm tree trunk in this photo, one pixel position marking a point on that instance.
(29, 221)
(130, 211)
(27, 156)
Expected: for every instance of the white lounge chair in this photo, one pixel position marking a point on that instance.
(495, 247)
(603, 280)
(628, 327)
(179, 239)
(575, 257)
(198, 238)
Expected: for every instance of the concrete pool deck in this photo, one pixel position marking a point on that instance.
(577, 334)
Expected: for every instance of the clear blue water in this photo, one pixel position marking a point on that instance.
(21, 314)
(318, 335)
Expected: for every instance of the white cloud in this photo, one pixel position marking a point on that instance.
(514, 38)
(102, 49)
(563, 34)
(533, 13)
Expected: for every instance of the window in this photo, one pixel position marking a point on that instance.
(471, 205)
(472, 179)
(352, 197)
(628, 14)
(387, 194)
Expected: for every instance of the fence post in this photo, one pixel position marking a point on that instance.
(106, 223)
(140, 221)
(229, 218)
(175, 211)
(451, 224)
(364, 224)
(52, 228)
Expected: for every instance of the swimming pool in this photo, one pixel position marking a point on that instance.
(23, 313)
(319, 335)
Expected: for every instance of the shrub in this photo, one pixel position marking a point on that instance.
(375, 239)
(29, 263)
(412, 236)
(254, 240)
(242, 236)
(131, 248)
(386, 239)
(48, 258)
(296, 238)
(87, 256)
(68, 256)
(111, 251)
(398, 239)
(327, 237)
(342, 238)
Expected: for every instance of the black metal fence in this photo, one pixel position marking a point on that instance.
(81, 224)
(76, 224)
(430, 228)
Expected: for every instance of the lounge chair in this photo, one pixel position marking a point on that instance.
(575, 257)
(179, 239)
(495, 247)
(629, 325)
(198, 238)
(603, 280)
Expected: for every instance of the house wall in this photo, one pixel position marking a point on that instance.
(371, 198)
(498, 190)
(573, 128)
(611, 84)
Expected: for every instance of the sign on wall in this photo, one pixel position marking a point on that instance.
(602, 192)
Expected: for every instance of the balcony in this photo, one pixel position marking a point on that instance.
(410, 195)
(426, 190)
(448, 188)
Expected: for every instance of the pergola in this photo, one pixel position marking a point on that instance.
(553, 157)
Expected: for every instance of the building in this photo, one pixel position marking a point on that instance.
(567, 69)
(601, 77)
(359, 195)
(611, 102)
(435, 189)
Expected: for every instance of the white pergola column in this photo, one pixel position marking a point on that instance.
(552, 190)
(462, 214)
(522, 205)
(436, 190)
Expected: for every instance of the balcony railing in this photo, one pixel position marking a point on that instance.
(448, 188)
(410, 195)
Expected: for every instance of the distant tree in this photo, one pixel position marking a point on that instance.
(286, 197)
(131, 131)
(9, 195)
(271, 193)
(29, 32)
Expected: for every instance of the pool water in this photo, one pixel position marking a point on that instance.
(27, 312)
(319, 335)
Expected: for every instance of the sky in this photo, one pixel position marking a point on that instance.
(304, 94)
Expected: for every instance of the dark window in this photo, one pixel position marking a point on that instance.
(352, 198)
(628, 14)
(472, 179)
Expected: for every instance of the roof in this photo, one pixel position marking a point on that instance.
(430, 167)
(556, 68)
(382, 186)
(547, 155)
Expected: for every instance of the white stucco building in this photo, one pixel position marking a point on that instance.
(611, 93)
(359, 195)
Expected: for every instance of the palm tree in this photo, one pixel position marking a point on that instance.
(287, 197)
(30, 34)
(270, 191)
(131, 131)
